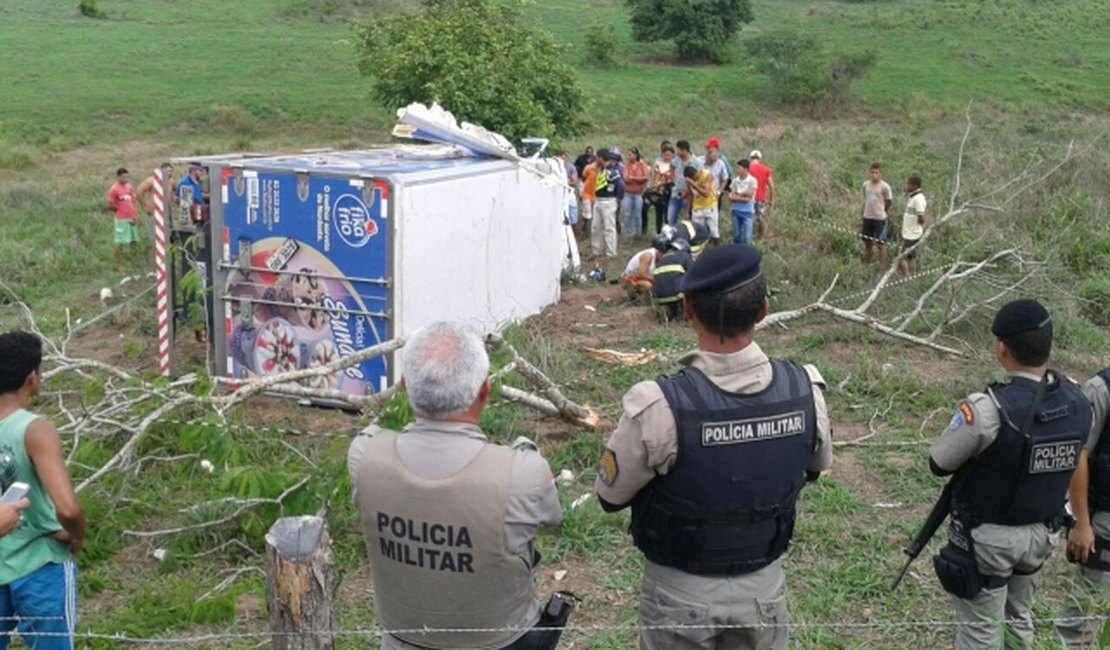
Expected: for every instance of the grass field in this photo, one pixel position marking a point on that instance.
(162, 79)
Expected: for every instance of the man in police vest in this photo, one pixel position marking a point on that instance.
(712, 461)
(449, 518)
(1089, 539)
(1012, 449)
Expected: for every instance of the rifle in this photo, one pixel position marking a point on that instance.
(936, 517)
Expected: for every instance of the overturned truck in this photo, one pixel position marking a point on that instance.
(312, 257)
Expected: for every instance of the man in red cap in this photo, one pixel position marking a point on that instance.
(717, 165)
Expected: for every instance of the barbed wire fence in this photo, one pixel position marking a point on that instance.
(573, 632)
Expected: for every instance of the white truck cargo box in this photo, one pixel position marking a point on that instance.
(325, 254)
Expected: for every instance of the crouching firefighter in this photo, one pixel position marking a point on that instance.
(1089, 539)
(1012, 450)
(712, 461)
(666, 290)
(695, 234)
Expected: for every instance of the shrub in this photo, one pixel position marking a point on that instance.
(701, 30)
(477, 60)
(88, 9)
(803, 72)
(599, 47)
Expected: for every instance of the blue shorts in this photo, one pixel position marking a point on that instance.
(41, 608)
(572, 213)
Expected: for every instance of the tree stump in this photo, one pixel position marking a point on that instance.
(300, 582)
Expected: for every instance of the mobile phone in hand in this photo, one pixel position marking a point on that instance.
(15, 492)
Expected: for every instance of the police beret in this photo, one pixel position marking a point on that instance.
(1019, 316)
(722, 269)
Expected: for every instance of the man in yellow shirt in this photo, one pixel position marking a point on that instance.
(703, 196)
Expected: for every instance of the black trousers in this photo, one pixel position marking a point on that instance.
(658, 200)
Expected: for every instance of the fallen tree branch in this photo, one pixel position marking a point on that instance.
(565, 408)
(531, 401)
(243, 506)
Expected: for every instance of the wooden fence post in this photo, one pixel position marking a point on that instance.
(300, 582)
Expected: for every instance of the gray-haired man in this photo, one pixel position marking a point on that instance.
(449, 518)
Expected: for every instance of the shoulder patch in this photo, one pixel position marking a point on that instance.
(968, 412)
(607, 468)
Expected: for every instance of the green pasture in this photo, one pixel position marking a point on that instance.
(156, 68)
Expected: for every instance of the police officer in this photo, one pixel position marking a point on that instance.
(712, 460)
(1089, 540)
(449, 518)
(1012, 449)
(666, 291)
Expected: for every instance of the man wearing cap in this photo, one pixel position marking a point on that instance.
(1089, 539)
(764, 194)
(190, 192)
(717, 164)
(1011, 451)
(712, 460)
(609, 187)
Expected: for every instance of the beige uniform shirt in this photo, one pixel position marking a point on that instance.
(1098, 393)
(973, 428)
(645, 442)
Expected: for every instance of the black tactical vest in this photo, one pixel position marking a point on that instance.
(668, 276)
(726, 507)
(695, 234)
(1099, 492)
(1018, 479)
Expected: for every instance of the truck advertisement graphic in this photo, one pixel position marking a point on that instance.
(307, 276)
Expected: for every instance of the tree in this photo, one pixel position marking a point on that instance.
(701, 29)
(478, 61)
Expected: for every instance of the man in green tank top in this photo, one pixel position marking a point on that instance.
(38, 575)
